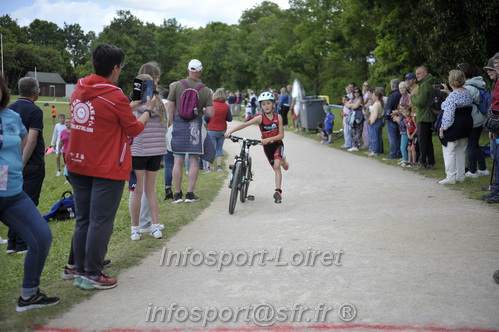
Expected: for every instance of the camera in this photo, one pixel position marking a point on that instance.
(142, 89)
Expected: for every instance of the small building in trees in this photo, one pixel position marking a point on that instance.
(51, 84)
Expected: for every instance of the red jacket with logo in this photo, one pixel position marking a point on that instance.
(101, 120)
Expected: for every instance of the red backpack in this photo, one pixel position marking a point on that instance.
(188, 106)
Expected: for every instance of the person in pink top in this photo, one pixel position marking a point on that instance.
(217, 125)
(64, 139)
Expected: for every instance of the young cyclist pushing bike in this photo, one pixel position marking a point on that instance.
(272, 135)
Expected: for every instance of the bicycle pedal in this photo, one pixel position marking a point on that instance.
(250, 198)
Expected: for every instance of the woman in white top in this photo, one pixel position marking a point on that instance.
(375, 122)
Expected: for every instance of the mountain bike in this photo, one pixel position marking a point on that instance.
(241, 175)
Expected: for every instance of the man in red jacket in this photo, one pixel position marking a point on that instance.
(99, 161)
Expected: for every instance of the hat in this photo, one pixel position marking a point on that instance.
(490, 63)
(195, 65)
(410, 75)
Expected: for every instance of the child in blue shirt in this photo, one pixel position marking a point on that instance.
(328, 124)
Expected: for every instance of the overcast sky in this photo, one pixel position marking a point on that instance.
(94, 15)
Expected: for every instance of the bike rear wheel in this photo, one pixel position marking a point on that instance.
(247, 181)
(236, 185)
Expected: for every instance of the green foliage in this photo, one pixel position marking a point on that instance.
(324, 43)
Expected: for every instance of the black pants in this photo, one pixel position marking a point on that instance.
(97, 201)
(284, 113)
(427, 155)
(33, 176)
(475, 152)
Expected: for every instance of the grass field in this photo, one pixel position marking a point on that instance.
(122, 251)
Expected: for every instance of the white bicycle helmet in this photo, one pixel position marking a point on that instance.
(266, 96)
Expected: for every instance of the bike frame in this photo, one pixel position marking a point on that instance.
(241, 163)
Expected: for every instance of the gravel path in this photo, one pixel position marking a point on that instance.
(354, 239)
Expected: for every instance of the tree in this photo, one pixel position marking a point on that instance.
(77, 43)
(44, 33)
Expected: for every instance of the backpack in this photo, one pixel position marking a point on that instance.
(438, 98)
(485, 99)
(188, 106)
(492, 121)
(64, 208)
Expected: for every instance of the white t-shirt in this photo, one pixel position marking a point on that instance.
(56, 136)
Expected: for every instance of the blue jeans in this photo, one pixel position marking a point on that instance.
(376, 140)
(96, 201)
(404, 140)
(19, 213)
(218, 139)
(394, 138)
(168, 161)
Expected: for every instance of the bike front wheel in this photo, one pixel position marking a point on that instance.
(236, 185)
(247, 181)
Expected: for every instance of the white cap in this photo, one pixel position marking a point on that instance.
(195, 65)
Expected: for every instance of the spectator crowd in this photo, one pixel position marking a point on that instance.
(137, 136)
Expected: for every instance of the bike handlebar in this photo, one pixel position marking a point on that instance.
(248, 140)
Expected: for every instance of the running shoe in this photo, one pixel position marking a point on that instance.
(190, 197)
(277, 197)
(39, 300)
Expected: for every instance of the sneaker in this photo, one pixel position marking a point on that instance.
(493, 200)
(135, 233)
(2, 241)
(372, 154)
(11, 248)
(58, 173)
(207, 170)
(352, 149)
(21, 251)
(368, 152)
(168, 194)
(156, 231)
(485, 172)
(39, 300)
(487, 196)
(106, 263)
(177, 198)
(277, 197)
(219, 168)
(68, 272)
(447, 181)
(78, 277)
(148, 229)
(469, 174)
(99, 282)
(190, 197)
